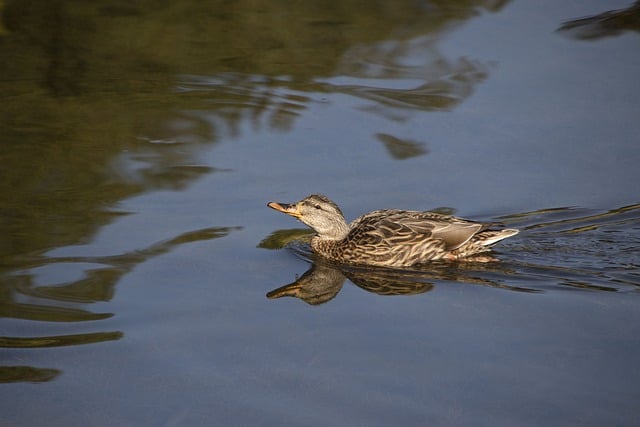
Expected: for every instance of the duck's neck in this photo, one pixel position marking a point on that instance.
(328, 243)
(338, 231)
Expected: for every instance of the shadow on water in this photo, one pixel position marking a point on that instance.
(557, 249)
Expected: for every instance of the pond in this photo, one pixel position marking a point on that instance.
(144, 281)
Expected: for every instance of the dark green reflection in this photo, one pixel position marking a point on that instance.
(15, 374)
(103, 101)
(401, 149)
(605, 24)
(59, 341)
(281, 238)
(98, 284)
(100, 101)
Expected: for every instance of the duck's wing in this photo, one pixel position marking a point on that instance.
(457, 233)
(398, 228)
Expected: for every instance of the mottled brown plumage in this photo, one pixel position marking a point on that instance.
(390, 237)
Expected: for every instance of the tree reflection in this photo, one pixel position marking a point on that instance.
(100, 274)
(14, 374)
(401, 149)
(51, 303)
(606, 24)
(103, 101)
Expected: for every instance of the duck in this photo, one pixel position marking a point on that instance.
(392, 237)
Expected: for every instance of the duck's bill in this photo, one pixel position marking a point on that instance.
(285, 208)
(291, 290)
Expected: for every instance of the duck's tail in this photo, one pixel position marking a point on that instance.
(491, 237)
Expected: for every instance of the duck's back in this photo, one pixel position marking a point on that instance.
(395, 237)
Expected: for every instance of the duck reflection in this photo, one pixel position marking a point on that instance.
(322, 282)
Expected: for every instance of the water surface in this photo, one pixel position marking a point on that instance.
(141, 143)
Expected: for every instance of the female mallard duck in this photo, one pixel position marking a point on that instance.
(390, 237)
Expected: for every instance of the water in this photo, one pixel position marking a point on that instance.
(140, 145)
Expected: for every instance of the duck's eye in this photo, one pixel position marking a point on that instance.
(317, 206)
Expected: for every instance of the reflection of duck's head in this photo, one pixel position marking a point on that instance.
(316, 286)
(319, 213)
(322, 282)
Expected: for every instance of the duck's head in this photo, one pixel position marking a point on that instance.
(319, 213)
